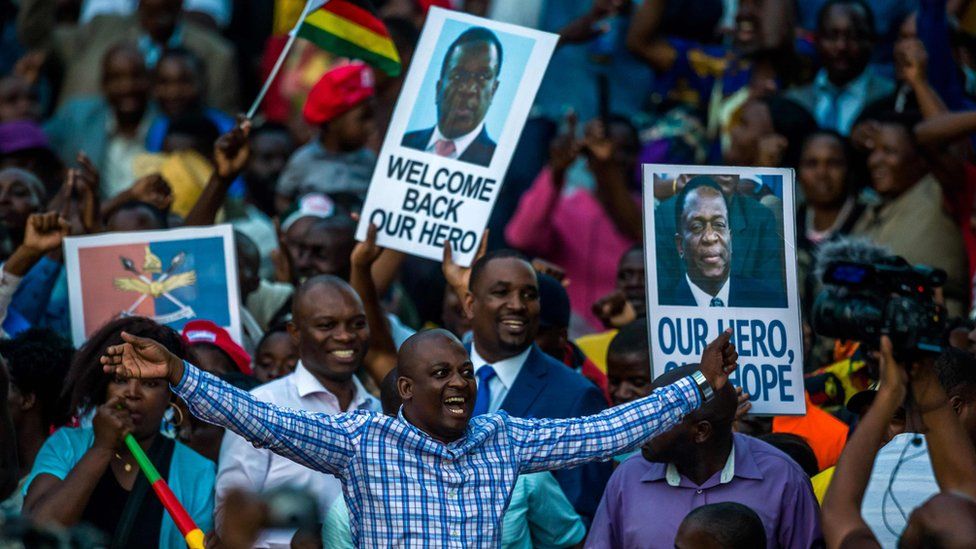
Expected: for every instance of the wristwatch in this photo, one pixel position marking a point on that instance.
(703, 386)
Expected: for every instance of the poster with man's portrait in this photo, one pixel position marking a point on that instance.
(720, 252)
(459, 116)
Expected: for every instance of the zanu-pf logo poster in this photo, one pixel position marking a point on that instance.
(170, 276)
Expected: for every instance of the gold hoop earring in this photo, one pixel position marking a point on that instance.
(177, 412)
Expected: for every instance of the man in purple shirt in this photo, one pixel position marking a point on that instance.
(698, 462)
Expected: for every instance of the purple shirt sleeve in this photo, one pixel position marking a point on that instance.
(802, 528)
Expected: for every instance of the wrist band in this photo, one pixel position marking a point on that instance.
(703, 386)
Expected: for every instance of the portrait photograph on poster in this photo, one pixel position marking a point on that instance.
(721, 254)
(172, 276)
(453, 133)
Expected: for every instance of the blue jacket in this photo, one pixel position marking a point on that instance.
(743, 292)
(478, 152)
(547, 388)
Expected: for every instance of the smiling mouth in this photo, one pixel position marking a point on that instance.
(455, 405)
(343, 354)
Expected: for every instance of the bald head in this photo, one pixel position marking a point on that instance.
(410, 358)
(317, 285)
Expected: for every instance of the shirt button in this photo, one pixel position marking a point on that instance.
(456, 533)
(699, 491)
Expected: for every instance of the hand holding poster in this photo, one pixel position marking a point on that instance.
(172, 277)
(719, 256)
(463, 105)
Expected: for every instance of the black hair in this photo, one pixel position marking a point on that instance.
(159, 216)
(868, 14)
(624, 122)
(797, 448)
(404, 34)
(117, 48)
(695, 183)
(38, 360)
(845, 143)
(732, 525)
(240, 380)
(197, 64)
(957, 372)
(793, 122)
(389, 394)
(86, 382)
(477, 270)
(632, 338)
(245, 245)
(906, 120)
(719, 411)
(470, 36)
(198, 126)
(276, 328)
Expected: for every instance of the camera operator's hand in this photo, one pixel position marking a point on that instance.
(894, 377)
(927, 391)
(719, 360)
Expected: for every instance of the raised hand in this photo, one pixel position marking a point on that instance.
(563, 150)
(367, 252)
(744, 405)
(140, 357)
(911, 61)
(232, 150)
(44, 232)
(894, 376)
(614, 310)
(152, 189)
(719, 360)
(111, 423)
(457, 276)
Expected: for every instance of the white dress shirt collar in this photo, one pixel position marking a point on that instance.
(506, 370)
(703, 299)
(461, 143)
(307, 384)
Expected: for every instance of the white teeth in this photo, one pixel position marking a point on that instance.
(454, 400)
(343, 354)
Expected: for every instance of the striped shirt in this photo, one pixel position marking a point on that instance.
(405, 489)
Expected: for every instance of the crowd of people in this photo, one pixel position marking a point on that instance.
(379, 399)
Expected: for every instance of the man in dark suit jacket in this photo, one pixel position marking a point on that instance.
(502, 301)
(704, 241)
(465, 89)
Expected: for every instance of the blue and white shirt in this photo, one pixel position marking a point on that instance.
(406, 489)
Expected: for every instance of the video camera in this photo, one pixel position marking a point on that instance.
(890, 297)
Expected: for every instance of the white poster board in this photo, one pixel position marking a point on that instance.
(463, 105)
(172, 276)
(721, 253)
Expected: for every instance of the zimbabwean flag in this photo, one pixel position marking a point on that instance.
(351, 28)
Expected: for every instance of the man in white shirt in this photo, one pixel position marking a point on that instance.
(465, 89)
(329, 325)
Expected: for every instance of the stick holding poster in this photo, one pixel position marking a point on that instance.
(720, 256)
(464, 103)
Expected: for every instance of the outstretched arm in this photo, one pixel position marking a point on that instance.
(321, 442)
(559, 443)
(645, 40)
(841, 510)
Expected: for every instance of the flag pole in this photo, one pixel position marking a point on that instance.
(281, 58)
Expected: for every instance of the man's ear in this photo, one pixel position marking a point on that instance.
(702, 431)
(956, 402)
(405, 388)
(293, 332)
(468, 305)
(679, 245)
(27, 401)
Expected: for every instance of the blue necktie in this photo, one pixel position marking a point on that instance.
(483, 400)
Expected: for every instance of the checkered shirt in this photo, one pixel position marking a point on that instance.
(405, 489)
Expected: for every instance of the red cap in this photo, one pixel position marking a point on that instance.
(337, 92)
(196, 332)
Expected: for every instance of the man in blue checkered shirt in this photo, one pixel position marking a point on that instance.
(432, 476)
